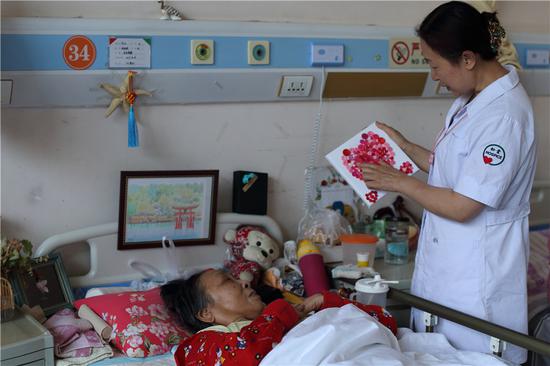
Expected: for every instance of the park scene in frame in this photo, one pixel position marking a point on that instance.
(180, 206)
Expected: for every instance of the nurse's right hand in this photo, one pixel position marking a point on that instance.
(395, 135)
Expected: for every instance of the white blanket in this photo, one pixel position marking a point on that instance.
(349, 336)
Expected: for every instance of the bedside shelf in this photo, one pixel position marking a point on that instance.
(397, 272)
(391, 272)
(26, 342)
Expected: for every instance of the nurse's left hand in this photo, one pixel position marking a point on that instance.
(383, 177)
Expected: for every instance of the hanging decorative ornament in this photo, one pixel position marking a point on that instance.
(126, 95)
(133, 137)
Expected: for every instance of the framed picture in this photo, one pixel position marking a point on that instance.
(180, 205)
(46, 285)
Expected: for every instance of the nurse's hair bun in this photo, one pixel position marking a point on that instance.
(455, 27)
(496, 31)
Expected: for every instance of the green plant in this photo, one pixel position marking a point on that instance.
(16, 255)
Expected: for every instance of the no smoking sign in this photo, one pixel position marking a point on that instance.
(406, 53)
(400, 53)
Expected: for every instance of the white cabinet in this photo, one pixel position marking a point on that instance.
(26, 342)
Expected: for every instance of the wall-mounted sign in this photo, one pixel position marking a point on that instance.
(405, 53)
(79, 52)
(129, 53)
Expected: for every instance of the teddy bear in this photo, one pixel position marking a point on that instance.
(252, 250)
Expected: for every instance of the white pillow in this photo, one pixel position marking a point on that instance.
(96, 291)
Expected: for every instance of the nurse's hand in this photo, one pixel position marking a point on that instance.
(417, 153)
(383, 177)
(395, 135)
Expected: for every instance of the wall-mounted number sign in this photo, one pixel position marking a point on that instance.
(79, 52)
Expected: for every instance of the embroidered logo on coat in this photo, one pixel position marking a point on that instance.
(493, 155)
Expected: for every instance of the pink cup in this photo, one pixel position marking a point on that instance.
(315, 276)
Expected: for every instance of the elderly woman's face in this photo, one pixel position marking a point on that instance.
(231, 300)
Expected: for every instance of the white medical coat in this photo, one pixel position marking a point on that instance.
(479, 267)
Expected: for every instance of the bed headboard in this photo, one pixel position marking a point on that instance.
(540, 203)
(109, 265)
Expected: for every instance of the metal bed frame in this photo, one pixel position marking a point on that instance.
(499, 334)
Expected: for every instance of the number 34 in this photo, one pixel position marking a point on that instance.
(76, 54)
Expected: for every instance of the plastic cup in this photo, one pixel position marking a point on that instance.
(363, 259)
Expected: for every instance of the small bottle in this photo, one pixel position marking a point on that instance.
(397, 241)
(312, 267)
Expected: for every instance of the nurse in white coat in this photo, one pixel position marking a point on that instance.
(473, 249)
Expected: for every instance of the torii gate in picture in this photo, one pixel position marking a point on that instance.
(187, 213)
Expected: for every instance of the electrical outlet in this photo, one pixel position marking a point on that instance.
(202, 52)
(258, 52)
(296, 86)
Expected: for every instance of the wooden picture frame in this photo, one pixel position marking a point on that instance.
(46, 285)
(180, 205)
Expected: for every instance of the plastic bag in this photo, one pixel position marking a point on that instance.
(322, 226)
(152, 276)
(172, 259)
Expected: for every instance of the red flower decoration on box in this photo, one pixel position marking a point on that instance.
(406, 167)
(372, 149)
(372, 196)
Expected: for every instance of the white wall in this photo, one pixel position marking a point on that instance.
(534, 14)
(60, 167)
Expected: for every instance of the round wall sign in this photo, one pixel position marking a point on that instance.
(79, 52)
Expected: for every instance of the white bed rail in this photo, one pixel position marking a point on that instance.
(54, 242)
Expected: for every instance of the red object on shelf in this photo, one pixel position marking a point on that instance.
(314, 273)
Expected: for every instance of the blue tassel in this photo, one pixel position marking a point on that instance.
(133, 137)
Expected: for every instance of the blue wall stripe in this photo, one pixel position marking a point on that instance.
(22, 52)
(522, 48)
(44, 52)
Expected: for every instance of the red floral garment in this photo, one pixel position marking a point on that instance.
(253, 342)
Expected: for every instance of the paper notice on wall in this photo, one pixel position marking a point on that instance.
(129, 53)
(370, 146)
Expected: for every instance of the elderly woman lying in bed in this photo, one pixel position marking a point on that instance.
(232, 325)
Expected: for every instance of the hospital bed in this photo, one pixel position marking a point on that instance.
(107, 266)
(107, 269)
